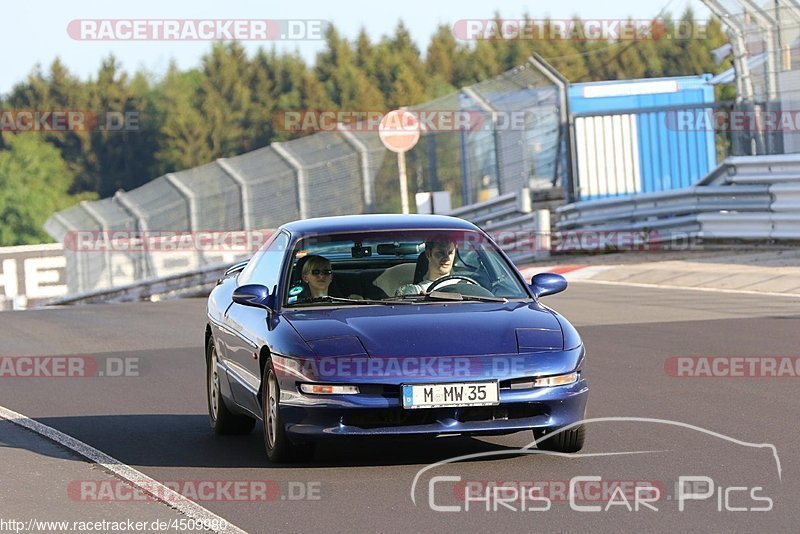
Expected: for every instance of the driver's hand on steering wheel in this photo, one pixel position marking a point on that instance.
(455, 278)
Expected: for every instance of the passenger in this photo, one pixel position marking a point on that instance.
(316, 279)
(441, 254)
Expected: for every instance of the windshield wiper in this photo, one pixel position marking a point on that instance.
(444, 295)
(412, 296)
(328, 298)
(484, 299)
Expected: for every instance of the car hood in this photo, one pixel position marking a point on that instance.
(463, 329)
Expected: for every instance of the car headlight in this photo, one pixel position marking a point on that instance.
(558, 380)
(546, 381)
(327, 389)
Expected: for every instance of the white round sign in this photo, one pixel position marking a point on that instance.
(399, 130)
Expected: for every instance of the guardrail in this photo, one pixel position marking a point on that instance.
(516, 217)
(191, 282)
(639, 210)
(495, 209)
(747, 198)
(756, 169)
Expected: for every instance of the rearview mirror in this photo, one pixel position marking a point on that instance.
(254, 295)
(544, 284)
(399, 249)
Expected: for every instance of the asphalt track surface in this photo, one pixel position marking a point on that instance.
(157, 423)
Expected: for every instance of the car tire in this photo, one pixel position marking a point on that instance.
(222, 420)
(568, 441)
(279, 447)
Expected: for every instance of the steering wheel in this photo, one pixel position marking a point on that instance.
(439, 281)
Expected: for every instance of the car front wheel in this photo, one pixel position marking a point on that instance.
(279, 447)
(222, 420)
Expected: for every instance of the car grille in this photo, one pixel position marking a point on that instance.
(390, 417)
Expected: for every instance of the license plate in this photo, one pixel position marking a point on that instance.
(456, 394)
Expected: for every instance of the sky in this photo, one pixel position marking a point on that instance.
(40, 33)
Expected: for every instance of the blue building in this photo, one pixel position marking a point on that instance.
(644, 135)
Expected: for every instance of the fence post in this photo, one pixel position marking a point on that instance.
(566, 119)
(542, 229)
(244, 192)
(524, 200)
(134, 211)
(498, 155)
(302, 203)
(433, 177)
(363, 153)
(77, 270)
(466, 191)
(88, 208)
(192, 205)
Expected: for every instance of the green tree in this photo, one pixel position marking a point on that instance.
(398, 70)
(441, 55)
(696, 42)
(123, 141)
(346, 85)
(185, 132)
(406, 89)
(260, 119)
(405, 51)
(34, 184)
(224, 98)
(297, 88)
(364, 52)
(568, 56)
(59, 91)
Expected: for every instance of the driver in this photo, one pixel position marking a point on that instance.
(441, 254)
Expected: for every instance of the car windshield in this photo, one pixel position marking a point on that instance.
(399, 266)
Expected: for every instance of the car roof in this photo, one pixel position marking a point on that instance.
(365, 223)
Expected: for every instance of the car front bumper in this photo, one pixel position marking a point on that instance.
(542, 408)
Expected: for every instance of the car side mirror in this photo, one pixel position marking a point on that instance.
(254, 295)
(544, 284)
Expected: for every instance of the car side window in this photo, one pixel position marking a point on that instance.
(265, 267)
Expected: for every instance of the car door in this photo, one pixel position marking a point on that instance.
(247, 326)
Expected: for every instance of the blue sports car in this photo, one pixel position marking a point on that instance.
(372, 325)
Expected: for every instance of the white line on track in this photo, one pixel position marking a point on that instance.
(136, 478)
(708, 289)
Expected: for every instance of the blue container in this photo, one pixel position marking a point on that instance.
(627, 142)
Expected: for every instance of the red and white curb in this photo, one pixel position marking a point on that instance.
(570, 272)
